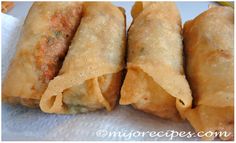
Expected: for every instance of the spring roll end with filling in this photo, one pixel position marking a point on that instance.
(155, 80)
(90, 77)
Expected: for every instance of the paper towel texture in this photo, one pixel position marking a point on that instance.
(21, 123)
(10, 33)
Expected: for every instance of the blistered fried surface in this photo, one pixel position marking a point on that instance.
(43, 44)
(155, 48)
(96, 50)
(140, 90)
(209, 43)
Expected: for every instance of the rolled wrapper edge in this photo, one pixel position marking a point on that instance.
(166, 80)
(65, 81)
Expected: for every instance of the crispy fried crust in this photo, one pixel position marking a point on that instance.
(43, 44)
(6, 6)
(209, 50)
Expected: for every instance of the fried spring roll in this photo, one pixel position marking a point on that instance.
(90, 77)
(209, 48)
(6, 6)
(155, 80)
(43, 44)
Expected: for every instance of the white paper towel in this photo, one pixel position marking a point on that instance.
(21, 123)
(9, 33)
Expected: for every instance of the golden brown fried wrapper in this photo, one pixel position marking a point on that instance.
(44, 41)
(90, 77)
(155, 80)
(6, 6)
(209, 43)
